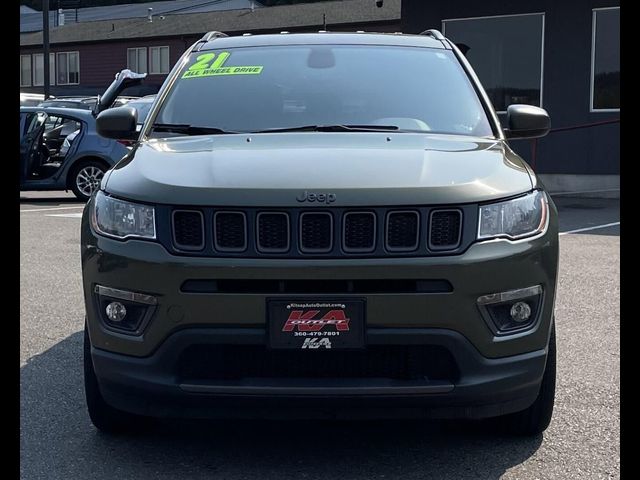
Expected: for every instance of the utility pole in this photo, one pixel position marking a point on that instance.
(45, 43)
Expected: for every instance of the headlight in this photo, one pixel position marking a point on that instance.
(117, 218)
(517, 218)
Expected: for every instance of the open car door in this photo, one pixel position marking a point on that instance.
(124, 79)
(31, 125)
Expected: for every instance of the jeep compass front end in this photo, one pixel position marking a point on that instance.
(321, 225)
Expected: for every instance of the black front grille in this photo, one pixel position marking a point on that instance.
(325, 232)
(402, 231)
(273, 232)
(444, 231)
(359, 232)
(233, 362)
(316, 232)
(230, 231)
(188, 229)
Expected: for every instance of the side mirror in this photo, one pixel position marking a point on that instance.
(527, 121)
(118, 123)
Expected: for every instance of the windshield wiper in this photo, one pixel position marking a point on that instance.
(188, 129)
(332, 128)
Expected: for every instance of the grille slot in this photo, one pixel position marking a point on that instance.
(230, 231)
(316, 232)
(401, 362)
(273, 232)
(445, 229)
(188, 229)
(359, 232)
(314, 287)
(402, 231)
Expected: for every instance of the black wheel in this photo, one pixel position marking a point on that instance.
(105, 418)
(536, 418)
(86, 178)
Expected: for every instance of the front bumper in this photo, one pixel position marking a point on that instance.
(497, 375)
(486, 387)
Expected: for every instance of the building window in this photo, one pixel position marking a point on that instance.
(507, 54)
(137, 59)
(158, 59)
(605, 60)
(38, 69)
(68, 68)
(25, 70)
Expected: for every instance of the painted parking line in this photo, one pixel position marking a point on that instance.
(65, 215)
(586, 229)
(52, 208)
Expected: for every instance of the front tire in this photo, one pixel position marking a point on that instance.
(86, 178)
(105, 418)
(535, 419)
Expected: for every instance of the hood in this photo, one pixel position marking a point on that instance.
(274, 169)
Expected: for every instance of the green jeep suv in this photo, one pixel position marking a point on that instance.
(321, 226)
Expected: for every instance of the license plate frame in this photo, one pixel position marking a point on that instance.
(316, 324)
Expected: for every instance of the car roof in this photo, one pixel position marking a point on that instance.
(328, 38)
(65, 111)
(74, 98)
(68, 101)
(146, 99)
(31, 95)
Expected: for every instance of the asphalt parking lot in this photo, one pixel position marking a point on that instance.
(58, 440)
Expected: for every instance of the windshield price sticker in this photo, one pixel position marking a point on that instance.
(211, 65)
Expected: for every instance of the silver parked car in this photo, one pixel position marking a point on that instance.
(143, 107)
(31, 99)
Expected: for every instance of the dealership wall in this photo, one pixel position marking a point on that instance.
(566, 156)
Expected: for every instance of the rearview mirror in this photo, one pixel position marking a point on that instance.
(118, 123)
(527, 121)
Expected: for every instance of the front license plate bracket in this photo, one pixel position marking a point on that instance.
(316, 324)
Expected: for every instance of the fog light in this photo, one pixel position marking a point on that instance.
(124, 311)
(116, 311)
(520, 312)
(511, 311)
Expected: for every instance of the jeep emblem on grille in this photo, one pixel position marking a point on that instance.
(317, 197)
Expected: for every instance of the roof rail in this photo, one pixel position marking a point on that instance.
(206, 38)
(211, 35)
(432, 32)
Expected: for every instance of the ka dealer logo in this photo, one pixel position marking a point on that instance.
(316, 343)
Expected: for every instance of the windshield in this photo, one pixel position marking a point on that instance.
(280, 87)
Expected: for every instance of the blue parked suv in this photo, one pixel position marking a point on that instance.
(60, 148)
